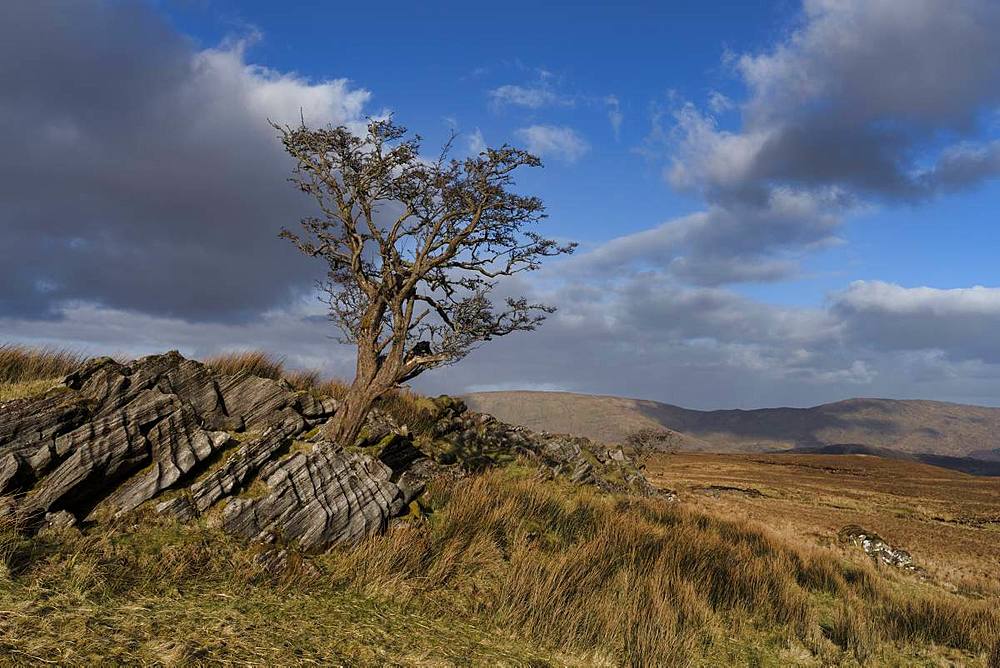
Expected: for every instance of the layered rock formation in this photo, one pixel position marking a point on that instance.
(248, 454)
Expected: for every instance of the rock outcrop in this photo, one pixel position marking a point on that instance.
(246, 453)
(876, 547)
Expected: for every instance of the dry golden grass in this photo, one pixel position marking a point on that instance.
(949, 521)
(506, 570)
(25, 390)
(648, 583)
(27, 372)
(303, 379)
(253, 362)
(146, 591)
(20, 364)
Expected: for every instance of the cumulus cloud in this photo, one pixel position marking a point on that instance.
(732, 243)
(646, 335)
(554, 141)
(862, 92)
(140, 172)
(864, 100)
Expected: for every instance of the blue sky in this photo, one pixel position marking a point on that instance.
(777, 203)
(434, 65)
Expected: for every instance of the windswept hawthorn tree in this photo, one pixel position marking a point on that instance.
(414, 248)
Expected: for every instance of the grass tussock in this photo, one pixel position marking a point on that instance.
(144, 590)
(504, 570)
(23, 364)
(650, 583)
(253, 362)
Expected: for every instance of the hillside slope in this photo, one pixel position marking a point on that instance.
(912, 427)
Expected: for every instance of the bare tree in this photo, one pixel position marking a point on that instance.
(648, 440)
(414, 248)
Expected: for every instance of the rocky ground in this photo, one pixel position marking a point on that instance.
(249, 454)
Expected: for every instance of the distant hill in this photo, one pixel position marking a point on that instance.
(911, 427)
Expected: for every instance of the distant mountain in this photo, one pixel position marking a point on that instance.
(921, 428)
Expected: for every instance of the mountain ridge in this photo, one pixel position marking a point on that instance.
(905, 426)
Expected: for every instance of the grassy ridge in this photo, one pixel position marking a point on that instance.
(505, 569)
(19, 364)
(26, 371)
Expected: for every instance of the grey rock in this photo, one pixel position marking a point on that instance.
(317, 500)
(14, 472)
(877, 548)
(315, 408)
(59, 520)
(378, 425)
(28, 424)
(254, 400)
(176, 452)
(237, 471)
(86, 463)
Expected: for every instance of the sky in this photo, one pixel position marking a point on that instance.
(777, 203)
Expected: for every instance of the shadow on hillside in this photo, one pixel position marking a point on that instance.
(798, 426)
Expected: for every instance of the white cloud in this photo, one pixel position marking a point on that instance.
(719, 103)
(531, 97)
(884, 297)
(959, 323)
(554, 141)
(850, 107)
(643, 334)
(475, 143)
(738, 242)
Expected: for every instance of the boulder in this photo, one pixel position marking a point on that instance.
(876, 547)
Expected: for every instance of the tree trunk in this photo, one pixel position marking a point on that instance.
(350, 417)
(373, 378)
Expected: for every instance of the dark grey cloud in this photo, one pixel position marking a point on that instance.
(139, 172)
(864, 90)
(884, 100)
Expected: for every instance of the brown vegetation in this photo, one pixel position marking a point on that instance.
(20, 364)
(253, 362)
(948, 521)
(505, 569)
(27, 371)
